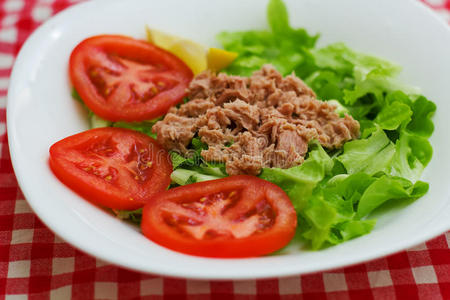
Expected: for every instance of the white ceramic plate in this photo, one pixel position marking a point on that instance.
(41, 112)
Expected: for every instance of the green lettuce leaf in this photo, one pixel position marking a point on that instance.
(76, 96)
(368, 87)
(412, 155)
(133, 216)
(342, 60)
(281, 46)
(177, 159)
(350, 229)
(421, 123)
(184, 176)
(328, 84)
(143, 127)
(328, 216)
(300, 181)
(320, 217)
(370, 155)
(277, 17)
(393, 115)
(388, 188)
(97, 122)
(339, 200)
(94, 120)
(333, 212)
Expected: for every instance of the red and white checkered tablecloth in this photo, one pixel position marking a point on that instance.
(34, 264)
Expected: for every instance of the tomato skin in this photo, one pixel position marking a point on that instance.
(96, 52)
(253, 190)
(110, 182)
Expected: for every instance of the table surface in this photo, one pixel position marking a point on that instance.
(34, 264)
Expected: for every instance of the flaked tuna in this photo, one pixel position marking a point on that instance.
(253, 123)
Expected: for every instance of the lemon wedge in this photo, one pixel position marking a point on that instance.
(160, 38)
(192, 53)
(219, 59)
(196, 56)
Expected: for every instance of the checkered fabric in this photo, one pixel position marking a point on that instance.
(34, 264)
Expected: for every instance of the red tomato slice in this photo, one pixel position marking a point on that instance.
(120, 78)
(114, 167)
(237, 216)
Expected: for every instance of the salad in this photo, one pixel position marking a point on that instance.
(237, 152)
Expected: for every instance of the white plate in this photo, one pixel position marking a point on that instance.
(41, 112)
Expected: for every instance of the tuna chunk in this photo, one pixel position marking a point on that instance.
(175, 132)
(268, 120)
(195, 108)
(290, 147)
(244, 115)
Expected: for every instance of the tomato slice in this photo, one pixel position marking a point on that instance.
(237, 216)
(120, 78)
(114, 167)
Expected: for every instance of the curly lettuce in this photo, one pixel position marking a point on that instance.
(334, 195)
